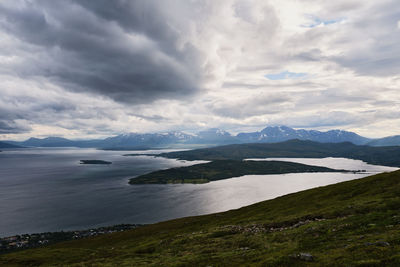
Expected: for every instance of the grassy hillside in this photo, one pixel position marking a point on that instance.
(355, 223)
(388, 156)
(223, 169)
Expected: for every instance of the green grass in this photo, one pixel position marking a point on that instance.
(355, 223)
(223, 169)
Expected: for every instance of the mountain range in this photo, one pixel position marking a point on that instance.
(282, 133)
(211, 137)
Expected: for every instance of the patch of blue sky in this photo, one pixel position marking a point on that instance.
(285, 75)
(315, 22)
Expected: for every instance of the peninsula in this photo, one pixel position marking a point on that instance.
(387, 156)
(224, 169)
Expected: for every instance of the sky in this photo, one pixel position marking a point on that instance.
(89, 69)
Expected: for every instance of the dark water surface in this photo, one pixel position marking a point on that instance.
(48, 190)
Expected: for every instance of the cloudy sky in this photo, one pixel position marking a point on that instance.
(84, 68)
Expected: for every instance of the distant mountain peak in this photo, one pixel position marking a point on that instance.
(273, 134)
(212, 136)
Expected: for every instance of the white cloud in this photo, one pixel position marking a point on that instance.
(224, 48)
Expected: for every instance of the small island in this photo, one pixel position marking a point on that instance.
(95, 161)
(224, 169)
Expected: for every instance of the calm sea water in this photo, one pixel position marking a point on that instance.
(48, 190)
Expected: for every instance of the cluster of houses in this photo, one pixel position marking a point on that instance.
(22, 241)
(35, 240)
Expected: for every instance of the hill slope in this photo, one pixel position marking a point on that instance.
(57, 142)
(388, 156)
(386, 141)
(7, 145)
(355, 223)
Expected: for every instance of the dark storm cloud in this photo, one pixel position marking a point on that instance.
(126, 50)
(10, 124)
(10, 127)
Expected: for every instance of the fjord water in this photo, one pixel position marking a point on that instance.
(45, 190)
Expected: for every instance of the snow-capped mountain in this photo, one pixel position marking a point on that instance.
(273, 134)
(215, 136)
